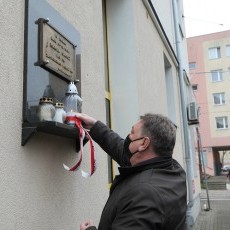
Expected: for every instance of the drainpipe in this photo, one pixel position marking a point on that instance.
(189, 217)
(205, 176)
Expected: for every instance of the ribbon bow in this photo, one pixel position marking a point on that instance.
(82, 133)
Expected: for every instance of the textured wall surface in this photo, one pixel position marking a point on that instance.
(35, 191)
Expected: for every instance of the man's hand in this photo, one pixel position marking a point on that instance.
(87, 121)
(86, 224)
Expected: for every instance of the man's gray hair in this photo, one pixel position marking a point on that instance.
(161, 131)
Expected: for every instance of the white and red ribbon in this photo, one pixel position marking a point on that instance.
(82, 133)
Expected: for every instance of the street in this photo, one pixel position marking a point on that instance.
(218, 217)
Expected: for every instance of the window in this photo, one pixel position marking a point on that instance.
(228, 50)
(107, 89)
(204, 158)
(219, 98)
(217, 75)
(214, 53)
(194, 87)
(170, 90)
(221, 122)
(192, 65)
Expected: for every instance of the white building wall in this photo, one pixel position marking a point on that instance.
(35, 190)
(122, 61)
(164, 10)
(137, 68)
(152, 82)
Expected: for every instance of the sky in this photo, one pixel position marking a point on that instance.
(206, 16)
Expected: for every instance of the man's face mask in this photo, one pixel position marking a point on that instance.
(126, 146)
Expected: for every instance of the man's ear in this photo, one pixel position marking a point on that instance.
(145, 144)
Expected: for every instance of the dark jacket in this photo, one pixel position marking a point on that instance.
(148, 196)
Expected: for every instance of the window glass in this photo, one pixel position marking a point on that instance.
(216, 75)
(221, 122)
(228, 50)
(204, 158)
(192, 65)
(219, 98)
(195, 87)
(214, 53)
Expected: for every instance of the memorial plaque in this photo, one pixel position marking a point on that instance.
(56, 53)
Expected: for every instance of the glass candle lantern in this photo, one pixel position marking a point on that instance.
(60, 113)
(46, 109)
(72, 102)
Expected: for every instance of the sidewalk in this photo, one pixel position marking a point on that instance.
(218, 218)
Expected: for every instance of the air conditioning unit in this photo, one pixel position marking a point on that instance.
(193, 116)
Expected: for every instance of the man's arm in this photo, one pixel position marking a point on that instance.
(91, 228)
(108, 140)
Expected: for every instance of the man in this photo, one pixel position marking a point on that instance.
(150, 192)
(228, 176)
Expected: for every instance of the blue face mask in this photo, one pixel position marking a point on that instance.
(126, 145)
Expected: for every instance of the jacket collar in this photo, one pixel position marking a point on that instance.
(163, 162)
(154, 163)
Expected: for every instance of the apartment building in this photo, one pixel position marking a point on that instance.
(209, 69)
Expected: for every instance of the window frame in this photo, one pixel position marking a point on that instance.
(195, 86)
(192, 65)
(224, 122)
(212, 55)
(221, 98)
(204, 157)
(228, 50)
(219, 75)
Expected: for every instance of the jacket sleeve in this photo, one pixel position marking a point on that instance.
(110, 142)
(139, 209)
(91, 228)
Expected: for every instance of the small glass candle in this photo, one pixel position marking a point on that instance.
(60, 114)
(46, 109)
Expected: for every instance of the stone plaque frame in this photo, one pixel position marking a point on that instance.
(46, 76)
(56, 53)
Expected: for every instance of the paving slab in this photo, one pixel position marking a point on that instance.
(218, 217)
